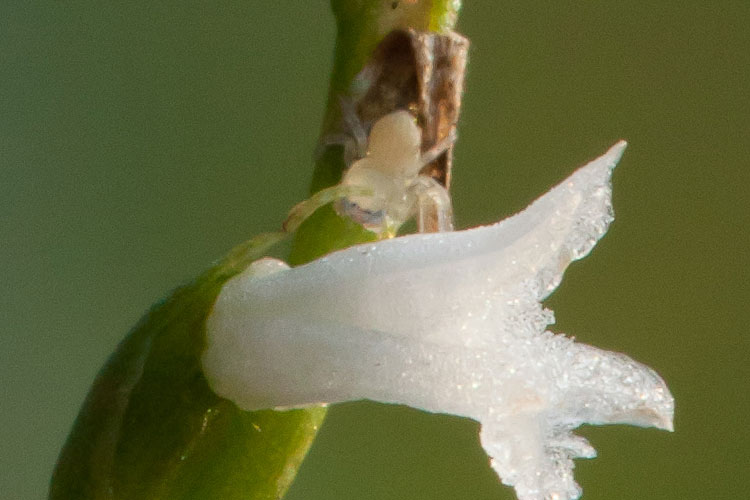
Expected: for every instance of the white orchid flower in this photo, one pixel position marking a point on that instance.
(448, 323)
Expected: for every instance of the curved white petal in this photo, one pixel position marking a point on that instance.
(445, 322)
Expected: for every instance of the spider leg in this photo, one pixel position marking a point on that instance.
(306, 208)
(338, 139)
(354, 126)
(433, 205)
(353, 137)
(439, 148)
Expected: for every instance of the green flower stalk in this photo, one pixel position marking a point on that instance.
(151, 427)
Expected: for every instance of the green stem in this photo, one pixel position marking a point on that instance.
(361, 25)
(151, 428)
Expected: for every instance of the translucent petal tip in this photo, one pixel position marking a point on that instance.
(614, 153)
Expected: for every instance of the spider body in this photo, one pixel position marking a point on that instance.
(384, 188)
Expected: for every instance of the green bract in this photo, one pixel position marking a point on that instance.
(151, 427)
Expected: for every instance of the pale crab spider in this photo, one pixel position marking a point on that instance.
(384, 188)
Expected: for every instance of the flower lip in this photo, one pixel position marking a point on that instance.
(445, 322)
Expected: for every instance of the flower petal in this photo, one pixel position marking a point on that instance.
(445, 322)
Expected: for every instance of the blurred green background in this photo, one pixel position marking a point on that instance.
(140, 140)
